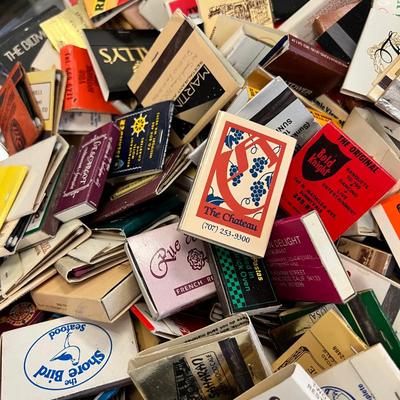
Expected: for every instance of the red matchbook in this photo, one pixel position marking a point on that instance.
(335, 176)
(83, 91)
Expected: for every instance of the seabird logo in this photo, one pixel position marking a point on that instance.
(67, 356)
(68, 353)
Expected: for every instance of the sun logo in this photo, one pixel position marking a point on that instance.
(139, 124)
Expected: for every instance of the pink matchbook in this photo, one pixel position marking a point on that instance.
(171, 268)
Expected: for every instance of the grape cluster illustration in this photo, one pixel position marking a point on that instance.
(257, 191)
(234, 137)
(232, 171)
(258, 166)
(237, 135)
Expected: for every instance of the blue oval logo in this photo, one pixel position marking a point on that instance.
(335, 393)
(67, 356)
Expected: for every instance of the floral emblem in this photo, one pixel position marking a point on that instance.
(196, 259)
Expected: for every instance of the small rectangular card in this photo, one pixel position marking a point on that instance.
(304, 263)
(21, 120)
(65, 357)
(284, 383)
(243, 283)
(307, 69)
(335, 176)
(171, 268)
(115, 54)
(278, 108)
(142, 143)
(370, 374)
(234, 197)
(376, 50)
(83, 190)
(24, 42)
(184, 66)
(327, 343)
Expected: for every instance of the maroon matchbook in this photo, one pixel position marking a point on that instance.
(85, 185)
(316, 72)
